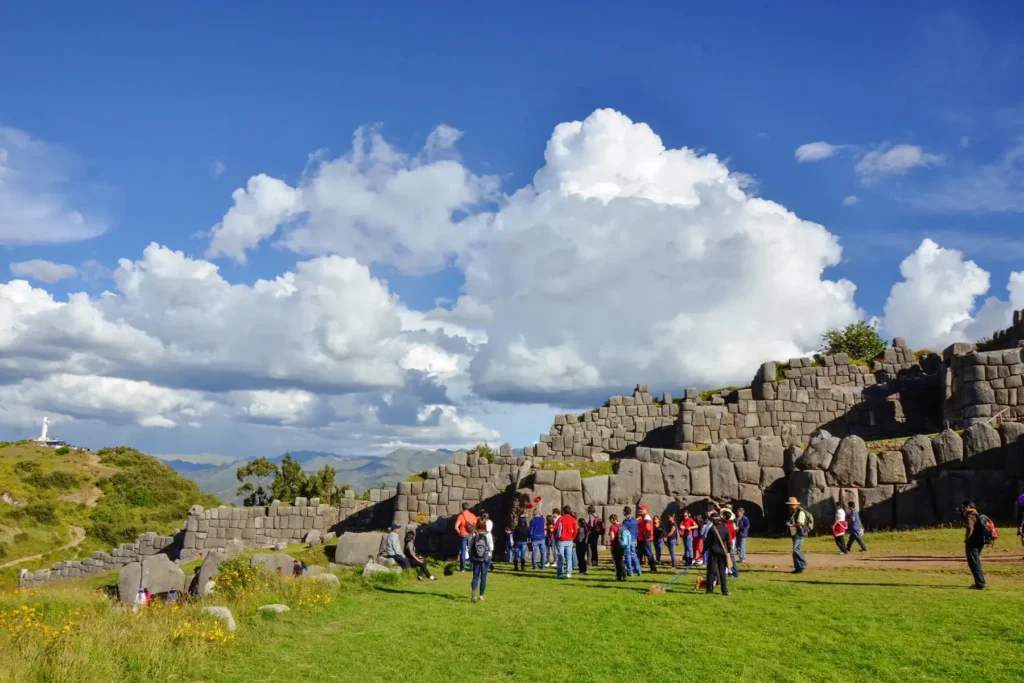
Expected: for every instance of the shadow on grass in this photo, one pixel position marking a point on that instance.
(867, 584)
(425, 594)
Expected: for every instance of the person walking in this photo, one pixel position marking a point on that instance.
(718, 554)
(465, 523)
(565, 533)
(975, 539)
(538, 539)
(481, 550)
(629, 558)
(521, 539)
(855, 527)
(671, 537)
(618, 552)
(729, 522)
(415, 561)
(799, 529)
(595, 530)
(742, 532)
(645, 545)
(839, 528)
(689, 527)
(490, 527)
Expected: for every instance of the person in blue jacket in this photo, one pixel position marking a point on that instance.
(630, 559)
(538, 538)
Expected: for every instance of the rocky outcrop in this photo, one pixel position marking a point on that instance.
(157, 574)
(354, 548)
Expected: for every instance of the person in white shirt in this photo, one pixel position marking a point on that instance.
(839, 529)
(490, 525)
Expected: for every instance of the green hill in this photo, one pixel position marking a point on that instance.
(64, 504)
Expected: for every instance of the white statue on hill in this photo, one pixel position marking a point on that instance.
(46, 427)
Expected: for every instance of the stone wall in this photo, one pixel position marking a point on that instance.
(985, 385)
(1010, 338)
(147, 545)
(612, 429)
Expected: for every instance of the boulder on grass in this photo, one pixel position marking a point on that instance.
(275, 608)
(273, 564)
(354, 548)
(209, 569)
(156, 573)
(223, 615)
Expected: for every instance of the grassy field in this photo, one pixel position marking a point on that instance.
(827, 625)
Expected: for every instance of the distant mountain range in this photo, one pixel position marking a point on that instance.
(358, 471)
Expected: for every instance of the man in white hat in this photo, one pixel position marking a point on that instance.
(798, 529)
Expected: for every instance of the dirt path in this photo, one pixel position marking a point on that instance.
(859, 559)
(77, 536)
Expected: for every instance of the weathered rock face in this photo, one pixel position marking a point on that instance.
(811, 489)
(724, 484)
(568, 480)
(770, 453)
(624, 488)
(354, 548)
(156, 573)
(652, 479)
(677, 478)
(876, 507)
(1012, 436)
(819, 453)
(209, 569)
(274, 564)
(748, 472)
(595, 490)
(918, 456)
(982, 447)
(890, 468)
(223, 615)
(914, 505)
(129, 580)
(849, 466)
(948, 447)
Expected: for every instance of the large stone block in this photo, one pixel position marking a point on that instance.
(677, 478)
(770, 452)
(568, 480)
(914, 506)
(595, 490)
(129, 580)
(544, 477)
(657, 504)
(891, 469)
(1012, 436)
(208, 570)
(813, 492)
(918, 456)
(623, 489)
(724, 484)
(550, 498)
(948, 447)
(872, 475)
(700, 481)
(876, 507)
(652, 480)
(983, 447)
(354, 548)
(574, 501)
(771, 476)
(750, 494)
(819, 453)
(748, 472)
(949, 490)
(849, 466)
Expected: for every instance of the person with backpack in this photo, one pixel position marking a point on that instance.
(595, 530)
(839, 529)
(800, 524)
(979, 533)
(614, 528)
(716, 539)
(671, 537)
(628, 542)
(582, 545)
(854, 527)
(521, 539)
(481, 548)
(464, 525)
(689, 525)
(538, 539)
(565, 533)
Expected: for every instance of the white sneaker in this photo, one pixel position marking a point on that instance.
(481, 598)
(433, 578)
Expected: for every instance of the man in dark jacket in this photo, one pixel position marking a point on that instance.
(855, 527)
(974, 542)
(716, 541)
(520, 539)
(595, 529)
(538, 537)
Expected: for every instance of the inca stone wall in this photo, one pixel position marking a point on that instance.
(147, 545)
(985, 384)
(625, 422)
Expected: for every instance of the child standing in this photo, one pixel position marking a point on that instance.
(481, 547)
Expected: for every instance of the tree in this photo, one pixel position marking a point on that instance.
(859, 340)
(255, 478)
(321, 485)
(290, 481)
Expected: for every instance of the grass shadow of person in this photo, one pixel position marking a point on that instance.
(400, 591)
(869, 584)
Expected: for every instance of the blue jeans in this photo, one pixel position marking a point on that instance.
(519, 552)
(672, 550)
(741, 548)
(632, 562)
(799, 561)
(539, 548)
(565, 553)
(552, 550)
(463, 552)
(688, 542)
(480, 576)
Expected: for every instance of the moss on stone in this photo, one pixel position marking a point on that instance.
(586, 468)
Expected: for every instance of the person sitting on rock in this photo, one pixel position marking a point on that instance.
(416, 561)
(296, 569)
(393, 547)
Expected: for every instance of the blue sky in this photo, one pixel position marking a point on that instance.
(167, 110)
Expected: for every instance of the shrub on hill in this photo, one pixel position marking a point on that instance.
(145, 495)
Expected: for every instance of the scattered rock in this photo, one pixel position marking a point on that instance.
(273, 564)
(275, 608)
(374, 568)
(354, 548)
(222, 614)
(328, 578)
(208, 570)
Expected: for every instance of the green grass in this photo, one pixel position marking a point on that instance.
(939, 541)
(707, 395)
(587, 469)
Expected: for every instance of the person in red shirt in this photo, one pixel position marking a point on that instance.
(465, 524)
(645, 538)
(565, 532)
(689, 526)
(617, 552)
(698, 541)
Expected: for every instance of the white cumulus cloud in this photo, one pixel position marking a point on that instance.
(816, 151)
(44, 271)
(895, 160)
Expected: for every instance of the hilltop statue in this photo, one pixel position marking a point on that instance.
(46, 427)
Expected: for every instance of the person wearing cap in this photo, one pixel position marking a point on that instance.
(716, 541)
(465, 523)
(798, 530)
(974, 543)
(645, 539)
(729, 522)
(521, 538)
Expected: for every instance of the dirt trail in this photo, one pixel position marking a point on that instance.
(77, 536)
(858, 559)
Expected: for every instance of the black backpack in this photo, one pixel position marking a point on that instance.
(478, 553)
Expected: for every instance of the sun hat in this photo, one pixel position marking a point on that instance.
(792, 501)
(396, 526)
